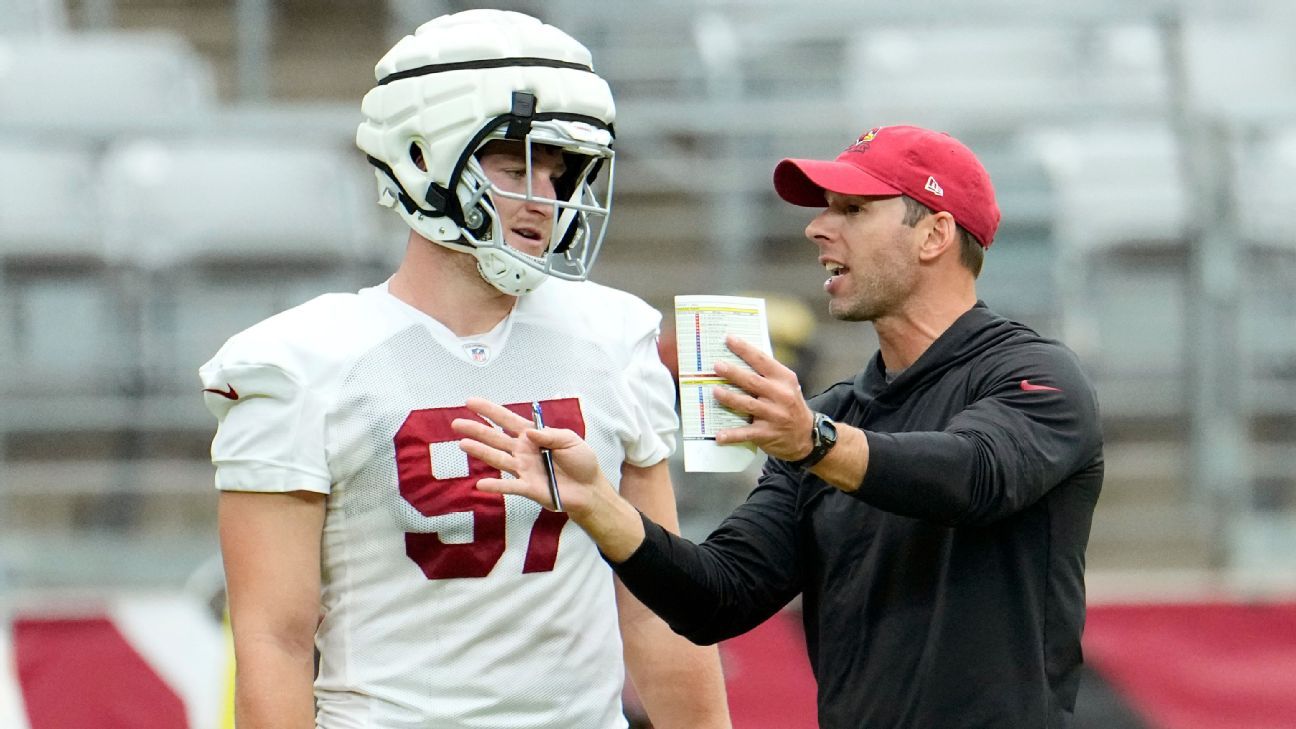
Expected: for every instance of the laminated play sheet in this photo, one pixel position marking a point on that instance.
(701, 323)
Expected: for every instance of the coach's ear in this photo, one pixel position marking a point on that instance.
(941, 235)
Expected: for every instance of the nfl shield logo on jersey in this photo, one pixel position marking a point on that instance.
(478, 352)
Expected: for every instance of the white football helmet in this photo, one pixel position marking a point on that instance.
(463, 80)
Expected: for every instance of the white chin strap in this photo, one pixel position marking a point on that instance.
(507, 273)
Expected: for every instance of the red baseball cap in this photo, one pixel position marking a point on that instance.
(933, 168)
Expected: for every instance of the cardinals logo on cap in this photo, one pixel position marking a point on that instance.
(861, 144)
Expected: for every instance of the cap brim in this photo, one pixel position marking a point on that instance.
(803, 181)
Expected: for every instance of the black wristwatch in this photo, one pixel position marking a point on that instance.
(823, 436)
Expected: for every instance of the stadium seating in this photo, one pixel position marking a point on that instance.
(1263, 199)
(223, 232)
(31, 17)
(1241, 69)
(64, 327)
(101, 83)
(1121, 227)
(1005, 74)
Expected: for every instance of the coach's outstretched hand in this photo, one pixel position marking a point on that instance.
(587, 496)
(515, 446)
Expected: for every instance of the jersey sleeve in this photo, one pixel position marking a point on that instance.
(652, 400)
(270, 432)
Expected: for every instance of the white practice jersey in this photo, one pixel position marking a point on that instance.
(444, 606)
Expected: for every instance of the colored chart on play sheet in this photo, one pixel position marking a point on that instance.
(701, 324)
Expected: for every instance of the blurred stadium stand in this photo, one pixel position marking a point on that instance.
(174, 170)
(222, 233)
(32, 18)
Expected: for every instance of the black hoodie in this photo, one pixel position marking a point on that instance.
(948, 591)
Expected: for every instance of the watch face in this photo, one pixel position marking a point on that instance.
(823, 436)
(825, 430)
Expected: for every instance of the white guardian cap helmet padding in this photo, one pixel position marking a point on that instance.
(463, 80)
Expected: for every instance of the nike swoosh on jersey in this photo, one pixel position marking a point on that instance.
(231, 395)
(1029, 386)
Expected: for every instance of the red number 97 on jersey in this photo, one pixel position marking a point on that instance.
(437, 496)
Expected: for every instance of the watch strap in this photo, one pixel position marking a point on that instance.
(819, 446)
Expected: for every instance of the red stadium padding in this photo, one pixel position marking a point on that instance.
(768, 676)
(1199, 666)
(84, 673)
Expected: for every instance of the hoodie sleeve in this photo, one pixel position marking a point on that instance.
(1034, 424)
(744, 572)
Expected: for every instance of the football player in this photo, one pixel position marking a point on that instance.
(349, 518)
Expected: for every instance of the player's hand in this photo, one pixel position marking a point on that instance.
(514, 448)
(781, 420)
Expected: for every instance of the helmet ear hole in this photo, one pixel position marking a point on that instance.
(417, 156)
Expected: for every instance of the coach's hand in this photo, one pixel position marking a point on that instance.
(781, 420)
(515, 446)
(587, 496)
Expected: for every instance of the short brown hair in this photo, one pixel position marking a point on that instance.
(971, 254)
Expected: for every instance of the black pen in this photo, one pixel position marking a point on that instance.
(537, 417)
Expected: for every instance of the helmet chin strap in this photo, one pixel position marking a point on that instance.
(506, 273)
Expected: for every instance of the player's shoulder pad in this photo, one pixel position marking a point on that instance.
(593, 307)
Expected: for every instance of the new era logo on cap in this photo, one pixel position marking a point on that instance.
(934, 187)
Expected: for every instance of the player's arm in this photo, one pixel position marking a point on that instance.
(680, 683)
(270, 543)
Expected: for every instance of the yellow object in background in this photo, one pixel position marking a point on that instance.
(227, 702)
(792, 325)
